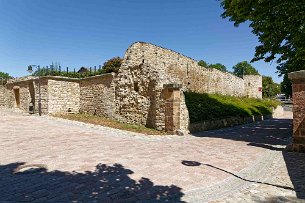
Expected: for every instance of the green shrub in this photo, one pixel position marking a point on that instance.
(204, 107)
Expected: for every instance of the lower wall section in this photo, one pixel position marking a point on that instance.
(233, 121)
(223, 123)
(97, 95)
(63, 96)
(18, 96)
(2, 95)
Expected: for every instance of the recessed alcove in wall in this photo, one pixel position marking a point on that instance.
(136, 86)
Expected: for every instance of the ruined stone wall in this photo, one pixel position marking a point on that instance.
(2, 95)
(97, 95)
(144, 71)
(137, 94)
(43, 94)
(18, 95)
(253, 86)
(177, 68)
(63, 95)
(9, 99)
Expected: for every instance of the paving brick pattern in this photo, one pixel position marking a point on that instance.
(88, 163)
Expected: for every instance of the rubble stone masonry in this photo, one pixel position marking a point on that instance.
(63, 96)
(146, 68)
(2, 95)
(148, 89)
(97, 95)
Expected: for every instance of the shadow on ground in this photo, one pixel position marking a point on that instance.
(195, 163)
(261, 134)
(105, 184)
(295, 163)
(273, 134)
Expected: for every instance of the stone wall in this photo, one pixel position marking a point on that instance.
(172, 67)
(2, 95)
(28, 88)
(43, 94)
(97, 95)
(147, 90)
(298, 95)
(18, 95)
(146, 68)
(253, 86)
(63, 96)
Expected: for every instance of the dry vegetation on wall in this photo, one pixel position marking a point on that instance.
(204, 107)
(97, 120)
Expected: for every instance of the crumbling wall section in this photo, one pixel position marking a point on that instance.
(144, 71)
(3, 95)
(18, 95)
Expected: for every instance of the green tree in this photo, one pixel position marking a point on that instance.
(279, 26)
(218, 66)
(244, 68)
(4, 77)
(112, 65)
(270, 88)
(286, 87)
(203, 63)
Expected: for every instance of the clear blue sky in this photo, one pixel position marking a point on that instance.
(88, 32)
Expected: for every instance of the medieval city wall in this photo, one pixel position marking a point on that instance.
(177, 68)
(148, 89)
(63, 96)
(18, 95)
(97, 95)
(3, 97)
(145, 70)
(253, 86)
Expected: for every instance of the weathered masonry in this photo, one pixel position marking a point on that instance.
(298, 95)
(93, 95)
(147, 90)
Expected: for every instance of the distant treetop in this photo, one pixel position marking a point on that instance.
(203, 63)
(218, 66)
(4, 77)
(244, 68)
(112, 65)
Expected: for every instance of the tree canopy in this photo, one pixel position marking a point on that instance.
(244, 68)
(279, 25)
(270, 88)
(286, 86)
(4, 77)
(218, 66)
(203, 63)
(112, 65)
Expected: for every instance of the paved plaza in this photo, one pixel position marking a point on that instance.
(86, 163)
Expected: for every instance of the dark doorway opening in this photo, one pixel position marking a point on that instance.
(17, 97)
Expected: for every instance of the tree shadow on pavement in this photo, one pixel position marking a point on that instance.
(295, 163)
(261, 134)
(105, 184)
(195, 163)
(273, 134)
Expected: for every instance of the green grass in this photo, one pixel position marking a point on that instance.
(203, 107)
(98, 120)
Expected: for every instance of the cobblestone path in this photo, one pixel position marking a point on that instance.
(86, 163)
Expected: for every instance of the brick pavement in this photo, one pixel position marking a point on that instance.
(93, 163)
